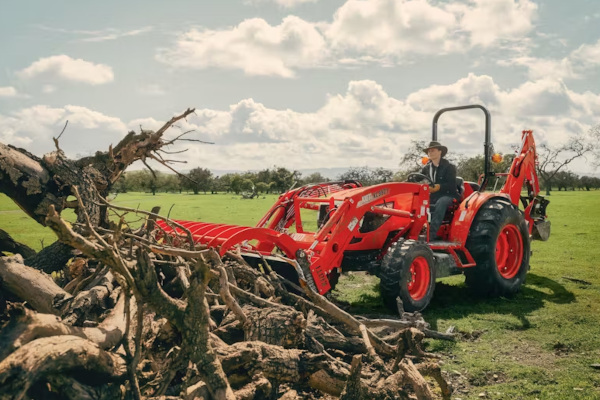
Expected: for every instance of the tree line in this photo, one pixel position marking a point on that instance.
(552, 169)
(280, 179)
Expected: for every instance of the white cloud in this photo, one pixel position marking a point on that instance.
(362, 126)
(386, 32)
(574, 66)
(587, 55)
(147, 124)
(67, 68)
(8, 91)
(282, 3)
(253, 46)
(86, 132)
(98, 35)
(365, 126)
(489, 21)
(388, 27)
(114, 34)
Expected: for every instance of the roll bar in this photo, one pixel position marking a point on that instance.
(487, 146)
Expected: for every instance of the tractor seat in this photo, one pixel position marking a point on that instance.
(460, 186)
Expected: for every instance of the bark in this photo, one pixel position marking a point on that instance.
(31, 285)
(88, 304)
(196, 336)
(330, 337)
(25, 326)
(57, 355)
(51, 258)
(245, 359)
(24, 179)
(7, 243)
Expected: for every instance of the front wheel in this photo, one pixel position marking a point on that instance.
(407, 271)
(499, 243)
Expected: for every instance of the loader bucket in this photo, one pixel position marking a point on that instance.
(224, 237)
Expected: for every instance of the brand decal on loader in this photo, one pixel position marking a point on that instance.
(352, 224)
(372, 196)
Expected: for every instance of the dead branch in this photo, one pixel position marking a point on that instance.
(31, 285)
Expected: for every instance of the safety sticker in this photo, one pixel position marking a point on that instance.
(353, 224)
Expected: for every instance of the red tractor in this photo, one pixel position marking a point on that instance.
(326, 228)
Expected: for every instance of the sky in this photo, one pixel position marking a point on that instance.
(298, 83)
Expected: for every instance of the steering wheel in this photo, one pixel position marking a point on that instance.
(417, 177)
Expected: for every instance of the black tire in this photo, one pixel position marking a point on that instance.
(404, 260)
(499, 243)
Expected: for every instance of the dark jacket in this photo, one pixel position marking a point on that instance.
(445, 176)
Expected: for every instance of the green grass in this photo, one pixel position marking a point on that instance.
(225, 208)
(538, 344)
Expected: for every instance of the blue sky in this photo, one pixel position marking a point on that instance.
(298, 83)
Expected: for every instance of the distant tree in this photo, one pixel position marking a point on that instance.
(171, 183)
(586, 182)
(315, 177)
(272, 187)
(152, 183)
(411, 160)
(247, 185)
(262, 187)
(362, 174)
(368, 176)
(471, 168)
(223, 183)
(551, 160)
(381, 175)
(284, 178)
(120, 186)
(236, 183)
(264, 175)
(565, 180)
(200, 179)
(134, 180)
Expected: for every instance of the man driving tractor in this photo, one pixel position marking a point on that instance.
(443, 181)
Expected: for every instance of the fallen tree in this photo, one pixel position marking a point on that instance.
(131, 316)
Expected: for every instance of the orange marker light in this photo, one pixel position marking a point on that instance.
(497, 158)
(424, 160)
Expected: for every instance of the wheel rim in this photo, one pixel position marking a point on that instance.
(509, 251)
(419, 278)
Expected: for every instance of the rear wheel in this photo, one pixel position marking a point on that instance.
(407, 271)
(499, 243)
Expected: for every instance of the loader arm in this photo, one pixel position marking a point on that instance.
(523, 173)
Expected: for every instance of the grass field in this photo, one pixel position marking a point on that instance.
(539, 344)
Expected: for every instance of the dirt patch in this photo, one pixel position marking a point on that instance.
(488, 378)
(529, 354)
(562, 349)
(459, 383)
(471, 336)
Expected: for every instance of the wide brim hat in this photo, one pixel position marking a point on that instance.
(436, 145)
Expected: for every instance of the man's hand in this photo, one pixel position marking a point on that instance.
(434, 188)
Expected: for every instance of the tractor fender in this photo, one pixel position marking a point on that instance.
(466, 212)
(264, 235)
